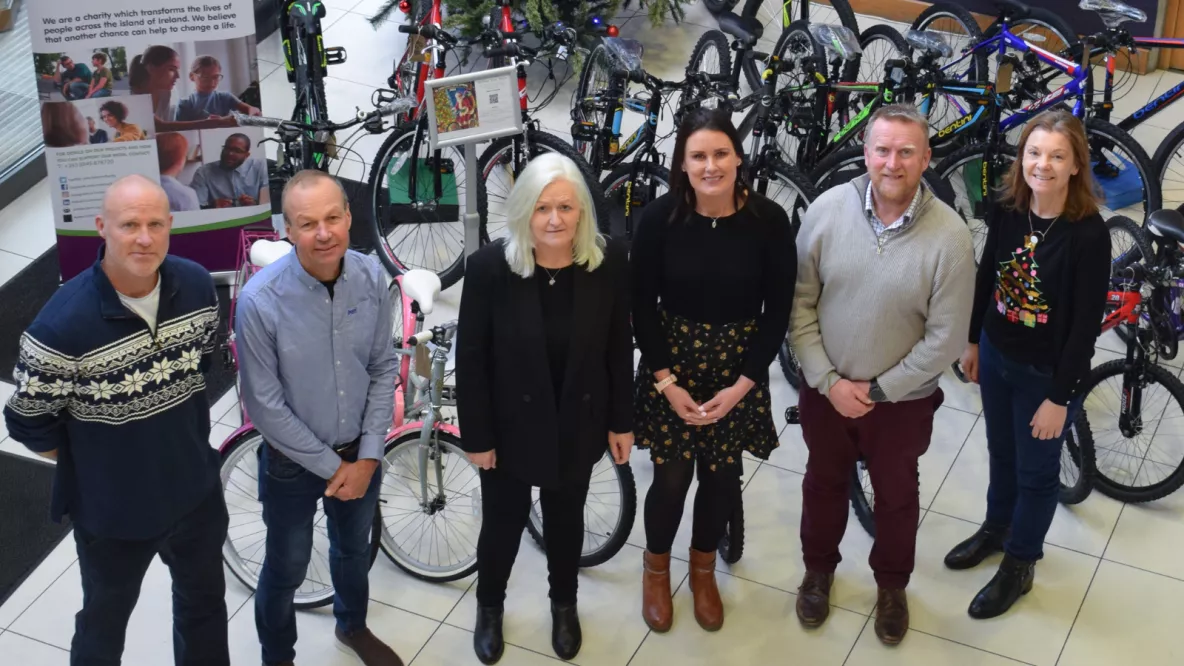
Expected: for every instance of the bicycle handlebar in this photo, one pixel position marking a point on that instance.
(429, 31)
(401, 105)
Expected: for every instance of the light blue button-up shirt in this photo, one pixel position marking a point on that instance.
(318, 371)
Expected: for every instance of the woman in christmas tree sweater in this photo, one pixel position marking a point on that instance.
(1038, 305)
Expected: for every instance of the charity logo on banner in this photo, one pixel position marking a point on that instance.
(150, 87)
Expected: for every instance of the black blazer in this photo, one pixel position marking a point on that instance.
(505, 396)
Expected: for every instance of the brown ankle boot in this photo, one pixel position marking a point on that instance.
(709, 609)
(657, 609)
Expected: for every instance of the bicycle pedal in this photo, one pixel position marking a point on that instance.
(792, 415)
(334, 55)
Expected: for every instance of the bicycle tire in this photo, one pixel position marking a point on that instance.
(1100, 133)
(731, 544)
(1120, 225)
(1118, 489)
(1078, 444)
(614, 192)
(863, 502)
(619, 533)
(596, 62)
(712, 40)
(229, 454)
(450, 444)
(855, 71)
(771, 13)
(540, 142)
(1172, 145)
(379, 200)
(798, 45)
(973, 209)
(975, 69)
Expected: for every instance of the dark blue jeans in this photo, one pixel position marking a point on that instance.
(1025, 471)
(289, 494)
(112, 571)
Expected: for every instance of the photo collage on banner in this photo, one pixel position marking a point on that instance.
(150, 87)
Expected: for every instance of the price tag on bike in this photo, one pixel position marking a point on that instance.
(473, 107)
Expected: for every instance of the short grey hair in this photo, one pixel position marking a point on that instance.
(901, 113)
(305, 178)
(588, 248)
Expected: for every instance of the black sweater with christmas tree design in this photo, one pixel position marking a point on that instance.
(1042, 303)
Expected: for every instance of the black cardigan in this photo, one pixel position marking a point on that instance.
(505, 396)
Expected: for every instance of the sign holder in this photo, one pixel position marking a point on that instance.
(468, 109)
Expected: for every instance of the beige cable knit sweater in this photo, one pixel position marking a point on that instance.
(896, 313)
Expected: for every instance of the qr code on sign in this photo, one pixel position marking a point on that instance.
(493, 98)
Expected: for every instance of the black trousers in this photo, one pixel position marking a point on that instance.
(505, 508)
(112, 571)
(664, 502)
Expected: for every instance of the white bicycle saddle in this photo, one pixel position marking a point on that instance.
(265, 252)
(423, 287)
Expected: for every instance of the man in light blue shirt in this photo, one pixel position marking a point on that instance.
(318, 372)
(234, 180)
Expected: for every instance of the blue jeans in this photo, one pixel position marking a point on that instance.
(75, 90)
(1025, 471)
(289, 494)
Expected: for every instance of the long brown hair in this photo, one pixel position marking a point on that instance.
(680, 183)
(153, 56)
(1084, 197)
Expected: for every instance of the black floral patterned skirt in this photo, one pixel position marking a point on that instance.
(706, 359)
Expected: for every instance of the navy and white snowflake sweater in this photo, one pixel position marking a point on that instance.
(124, 407)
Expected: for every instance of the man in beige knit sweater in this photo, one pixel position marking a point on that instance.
(884, 289)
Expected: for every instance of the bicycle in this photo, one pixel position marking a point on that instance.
(1131, 469)
(306, 60)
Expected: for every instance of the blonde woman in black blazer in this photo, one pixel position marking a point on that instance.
(544, 375)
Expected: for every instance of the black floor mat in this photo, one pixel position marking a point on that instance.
(27, 534)
(24, 295)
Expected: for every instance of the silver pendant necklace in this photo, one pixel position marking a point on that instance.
(1033, 240)
(551, 275)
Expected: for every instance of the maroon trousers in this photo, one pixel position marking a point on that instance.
(890, 438)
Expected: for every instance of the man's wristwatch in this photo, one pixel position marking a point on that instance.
(876, 393)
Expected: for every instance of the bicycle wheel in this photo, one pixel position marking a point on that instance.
(863, 498)
(961, 171)
(1048, 31)
(1168, 166)
(627, 197)
(426, 230)
(776, 15)
(609, 512)
(500, 165)
(1077, 460)
(1123, 172)
(246, 537)
(1134, 417)
(796, 90)
(880, 43)
(431, 536)
(959, 29)
(713, 56)
(594, 78)
(1129, 244)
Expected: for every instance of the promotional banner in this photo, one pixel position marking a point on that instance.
(149, 87)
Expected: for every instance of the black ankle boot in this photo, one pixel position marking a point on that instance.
(1013, 580)
(566, 637)
(487, 637)
(970, 553)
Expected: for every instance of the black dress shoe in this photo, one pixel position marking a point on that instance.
(487, 637)
(970, 553)
(1013, 580)
(566, 637)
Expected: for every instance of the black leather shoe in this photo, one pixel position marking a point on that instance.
(487, 637)
(1013, 580)
(566, 637)
(971, 552)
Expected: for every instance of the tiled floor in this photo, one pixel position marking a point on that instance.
(1109, 591)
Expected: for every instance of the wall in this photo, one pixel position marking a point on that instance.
(1081, 20)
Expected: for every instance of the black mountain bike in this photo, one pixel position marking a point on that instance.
(307, 59)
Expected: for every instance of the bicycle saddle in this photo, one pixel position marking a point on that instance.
(837, 39)
(1168, 223)
(744, 28)
(423, 287)
(929, 42)
(265, 252)
(624, 53)
(1113, 12)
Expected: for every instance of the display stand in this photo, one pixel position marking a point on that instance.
(468, 109)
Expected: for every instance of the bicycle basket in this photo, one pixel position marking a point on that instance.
(624, 53)
(837, 39)
(928, 41)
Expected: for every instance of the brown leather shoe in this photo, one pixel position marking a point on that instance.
(369, 649)
(657, 609)
(892, 616)
(709, 608)
(814, 598)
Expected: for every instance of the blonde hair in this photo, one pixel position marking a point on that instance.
(588, 247)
